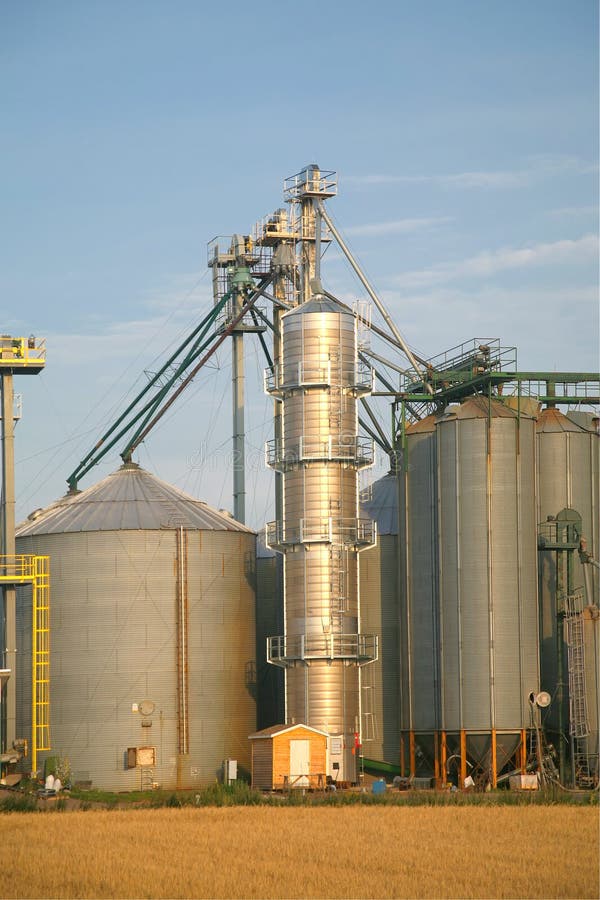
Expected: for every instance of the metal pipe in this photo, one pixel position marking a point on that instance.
(385, 447)
(316, 281)
(384, 381)
(386, 362)
(376, 424)
(388, 320)
(277, 300)
(9, 549)
(182, 642)
(237, 397)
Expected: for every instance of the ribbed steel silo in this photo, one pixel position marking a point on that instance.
(419, 616)
(379, 613)
(568, 479)
(270, 687)
(489, 652)
(152, 632)
(320, 531)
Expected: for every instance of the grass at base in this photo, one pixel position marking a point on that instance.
(240, 794)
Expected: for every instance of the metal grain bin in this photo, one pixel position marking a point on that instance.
(419, 617)
(567, 451)
(152, 632)
(379, 606)
(489, 654)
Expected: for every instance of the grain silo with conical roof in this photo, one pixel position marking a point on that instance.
(568, 486)
(489, 646)
(152, 633)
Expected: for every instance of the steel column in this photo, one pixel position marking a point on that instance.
(8, 549)
(463, 757)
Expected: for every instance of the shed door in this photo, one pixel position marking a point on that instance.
(299, 762)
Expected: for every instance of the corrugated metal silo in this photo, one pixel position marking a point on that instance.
(489, 654)
(270, 682)
(568, 465)
(419, 619)
(152, 631)
(379, 613)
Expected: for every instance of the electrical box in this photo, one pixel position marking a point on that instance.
(229, 770)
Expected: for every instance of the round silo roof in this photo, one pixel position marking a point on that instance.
(317, 304)
(553, 420)
(480, 407)
(128, 499)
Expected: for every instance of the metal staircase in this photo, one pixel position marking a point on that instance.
(40, 654)
(578, 715)
(585, 760)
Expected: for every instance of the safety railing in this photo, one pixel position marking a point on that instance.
(311, 181)
(355, 449)
(26, 353)
(17, 569)
(356, 379)
(303, 648)
(465, 361)
(348, 532)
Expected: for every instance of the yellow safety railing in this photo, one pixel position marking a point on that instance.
(35, 570)
(40, 659)
(22, 353)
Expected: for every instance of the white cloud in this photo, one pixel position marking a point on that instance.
(552, 328)
(538, 168)
(489, 262)
(398, 226)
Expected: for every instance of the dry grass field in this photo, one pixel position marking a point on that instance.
(346, 852)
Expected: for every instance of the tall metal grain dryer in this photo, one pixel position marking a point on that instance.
(489, 655)
(320, 532)
(568, 485)
(152, 633)
(379, 613)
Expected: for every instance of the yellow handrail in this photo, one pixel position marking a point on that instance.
(35, 570)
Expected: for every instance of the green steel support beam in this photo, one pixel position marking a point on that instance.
(101, 448)
(147, 426)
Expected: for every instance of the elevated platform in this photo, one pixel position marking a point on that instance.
(22, 356)
(304, 649)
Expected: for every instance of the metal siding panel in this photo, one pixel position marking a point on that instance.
(449, 576)
(474, 575)
(421, 578)
(494, 567)
(117, 645)
(567, 461)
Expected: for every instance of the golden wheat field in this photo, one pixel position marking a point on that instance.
(323, 852)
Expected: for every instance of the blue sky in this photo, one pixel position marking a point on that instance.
(464, 135)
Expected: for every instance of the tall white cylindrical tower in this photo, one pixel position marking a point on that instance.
(320, 532)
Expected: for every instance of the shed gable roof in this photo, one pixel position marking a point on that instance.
(281, 729)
